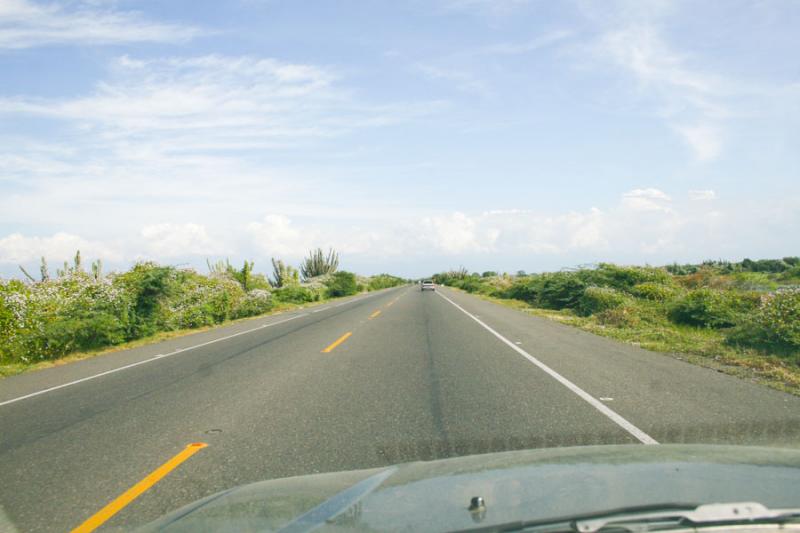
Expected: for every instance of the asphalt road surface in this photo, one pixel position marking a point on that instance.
(421, 375)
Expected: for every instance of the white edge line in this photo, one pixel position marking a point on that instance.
(162, 356)
(643, 437)
(153, 358)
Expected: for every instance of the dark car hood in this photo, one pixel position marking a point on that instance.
(521, 485)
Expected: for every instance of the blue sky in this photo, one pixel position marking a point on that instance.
(412, 136)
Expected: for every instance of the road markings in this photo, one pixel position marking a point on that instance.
(337, 342)
(643, 437)
(99, 518)
(376, 313)
(606, 399)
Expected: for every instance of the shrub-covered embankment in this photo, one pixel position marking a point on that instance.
(78, 311)
(742, 318)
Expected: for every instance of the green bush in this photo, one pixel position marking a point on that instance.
(597, 299)
(293, 294)
(525, 288)
(625, 277)
(560, 290)
(470, 283)
(342, 284)
(651, 290)
(384, 281)
(711, 308)
(149, 285)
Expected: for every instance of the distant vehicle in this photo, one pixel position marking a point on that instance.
(428, 285)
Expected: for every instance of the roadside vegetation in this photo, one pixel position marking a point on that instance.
(46, 318)
(741, 318)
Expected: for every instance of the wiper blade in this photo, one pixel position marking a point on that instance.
(712, 513)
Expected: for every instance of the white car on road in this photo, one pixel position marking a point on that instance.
(428, 285)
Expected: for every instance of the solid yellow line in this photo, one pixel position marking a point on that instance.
(376, 313)
(337, 342)
(134, 492)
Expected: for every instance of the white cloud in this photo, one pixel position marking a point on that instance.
(17, 248)
(646, 200)
(25, 24)
(645, 225)
(180, 240)
(453, 233)
(275, 235)
(705, 194)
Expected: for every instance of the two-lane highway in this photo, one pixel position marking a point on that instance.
(394, 376)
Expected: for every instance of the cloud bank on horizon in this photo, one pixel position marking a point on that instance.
(528, 135)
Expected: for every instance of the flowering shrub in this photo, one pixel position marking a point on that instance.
(255, 302)
(50, 319)
(78, 311)
(776, 323)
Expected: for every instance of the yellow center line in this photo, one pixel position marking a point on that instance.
(376, 313)
(337, 342)
(99, 518)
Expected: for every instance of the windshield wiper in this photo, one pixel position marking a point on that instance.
(653, 518)
(703, 515)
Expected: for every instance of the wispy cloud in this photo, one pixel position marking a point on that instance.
(25, 24)
(183, 136)
(216, 103)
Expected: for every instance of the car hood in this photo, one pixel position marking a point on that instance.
(520, 485)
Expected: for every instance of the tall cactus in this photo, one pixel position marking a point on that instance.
(283, 274)
(317, 263)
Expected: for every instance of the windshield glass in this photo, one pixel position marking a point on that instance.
(248, 241)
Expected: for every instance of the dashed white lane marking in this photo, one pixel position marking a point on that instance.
(594, 402)
(179, 350)
(606, 399)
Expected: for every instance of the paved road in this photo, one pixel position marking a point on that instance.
(432, 375)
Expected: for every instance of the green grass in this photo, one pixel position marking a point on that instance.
(11, 369)
(648, 329)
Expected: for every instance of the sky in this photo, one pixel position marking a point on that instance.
(413, 137)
